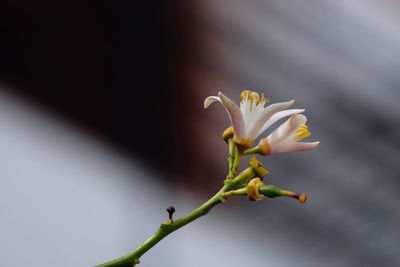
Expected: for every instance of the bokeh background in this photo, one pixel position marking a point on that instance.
(102, 127)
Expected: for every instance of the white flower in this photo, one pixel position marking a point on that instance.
(286, 137)
(252, 118)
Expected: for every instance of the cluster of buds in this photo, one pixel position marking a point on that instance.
(250, 120)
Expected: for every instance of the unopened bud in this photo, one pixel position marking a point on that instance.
(274, 191)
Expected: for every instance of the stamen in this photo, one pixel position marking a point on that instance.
(254, 98)
(245, 94)
(302, 132)
(264, 99)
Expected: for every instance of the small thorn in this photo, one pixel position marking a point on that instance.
(170, 211)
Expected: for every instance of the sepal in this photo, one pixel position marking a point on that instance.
(258, 169)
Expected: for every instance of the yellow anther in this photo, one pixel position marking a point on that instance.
(253, 97)
(245, 94)
(302, 132)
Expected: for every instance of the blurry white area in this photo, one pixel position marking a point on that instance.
(66, 200)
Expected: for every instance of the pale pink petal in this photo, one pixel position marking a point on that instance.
(295, 146)
(235, 115)
(263, 116)
(211, 99)
(287, 128)
(245, 109)
(277, 116)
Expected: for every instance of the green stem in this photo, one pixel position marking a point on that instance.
(231, 146)
(238, 157)
(167, 228)
(231, 159)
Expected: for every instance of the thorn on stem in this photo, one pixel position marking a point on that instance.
(170, 211)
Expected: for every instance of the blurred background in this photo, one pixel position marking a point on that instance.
(102, 127)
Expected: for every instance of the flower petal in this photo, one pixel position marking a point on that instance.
(211, 99)
(245, 109)
(235, 115)
(277, 116)
(292, 147)
(287, 128)
(263, 116)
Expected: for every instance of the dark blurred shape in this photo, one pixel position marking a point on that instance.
(112, 67)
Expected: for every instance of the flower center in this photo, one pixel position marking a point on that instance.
(302, 132)
(253, 97)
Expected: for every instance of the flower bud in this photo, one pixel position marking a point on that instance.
(274, 191)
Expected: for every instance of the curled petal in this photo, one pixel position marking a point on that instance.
(263, 116)
(292, 147)
(233, 110)
(211, 99)
(235, 115)
(287, 128)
